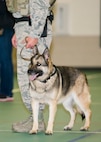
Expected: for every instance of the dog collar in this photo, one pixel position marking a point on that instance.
(44, 81)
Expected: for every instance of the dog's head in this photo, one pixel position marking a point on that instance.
(40, 65)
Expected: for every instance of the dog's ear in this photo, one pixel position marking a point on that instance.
(47, 57)
(46, 53)
(35, 50)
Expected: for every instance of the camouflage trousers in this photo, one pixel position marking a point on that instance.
(22, 30)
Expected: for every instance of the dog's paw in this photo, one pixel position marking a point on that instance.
(67, 128)
(84, 128)
(33, 131)
(48, 132)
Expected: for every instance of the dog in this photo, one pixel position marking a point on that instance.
(52, 85)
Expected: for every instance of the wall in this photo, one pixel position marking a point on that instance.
(80, 17)
(76, 51)
(76, 42)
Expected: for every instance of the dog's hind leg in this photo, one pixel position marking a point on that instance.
(82, 99)
(83, 103)
(68, 105)
(86, 126)
(86, 111)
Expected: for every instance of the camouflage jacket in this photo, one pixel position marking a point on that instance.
(39, 10)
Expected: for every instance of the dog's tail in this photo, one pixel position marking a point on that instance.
(82, 116)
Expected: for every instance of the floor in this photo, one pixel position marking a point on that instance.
(15, 111)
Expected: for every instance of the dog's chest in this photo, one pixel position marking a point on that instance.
(42, 87)
(43, 97)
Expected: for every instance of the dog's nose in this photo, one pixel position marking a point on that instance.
(29, 71)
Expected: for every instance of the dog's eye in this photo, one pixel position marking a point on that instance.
(38, 64)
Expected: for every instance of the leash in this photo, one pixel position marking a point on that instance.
(27, 59)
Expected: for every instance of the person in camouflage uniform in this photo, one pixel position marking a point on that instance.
(28, 36)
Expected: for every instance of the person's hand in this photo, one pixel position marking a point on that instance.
(14, 41)
(31, 42)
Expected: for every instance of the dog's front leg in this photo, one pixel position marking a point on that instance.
(52, 111)
(35, 110)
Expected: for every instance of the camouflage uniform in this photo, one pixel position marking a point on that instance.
(39, 12)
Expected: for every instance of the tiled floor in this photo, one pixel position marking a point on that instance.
(15, 111)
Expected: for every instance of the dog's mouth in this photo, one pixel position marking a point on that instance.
(34, 74)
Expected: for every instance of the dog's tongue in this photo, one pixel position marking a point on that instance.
(33, 77)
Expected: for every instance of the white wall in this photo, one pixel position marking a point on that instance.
(82, 17)
(76, 51)
(76, 33)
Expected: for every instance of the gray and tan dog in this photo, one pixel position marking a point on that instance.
(54, 85)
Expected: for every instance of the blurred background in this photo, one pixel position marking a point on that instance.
(76, 34)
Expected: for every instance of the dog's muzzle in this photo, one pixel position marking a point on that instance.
(33, 74)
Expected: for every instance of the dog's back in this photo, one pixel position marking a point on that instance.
(69, 76)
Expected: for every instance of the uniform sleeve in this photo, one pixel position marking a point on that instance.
(39, 10)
